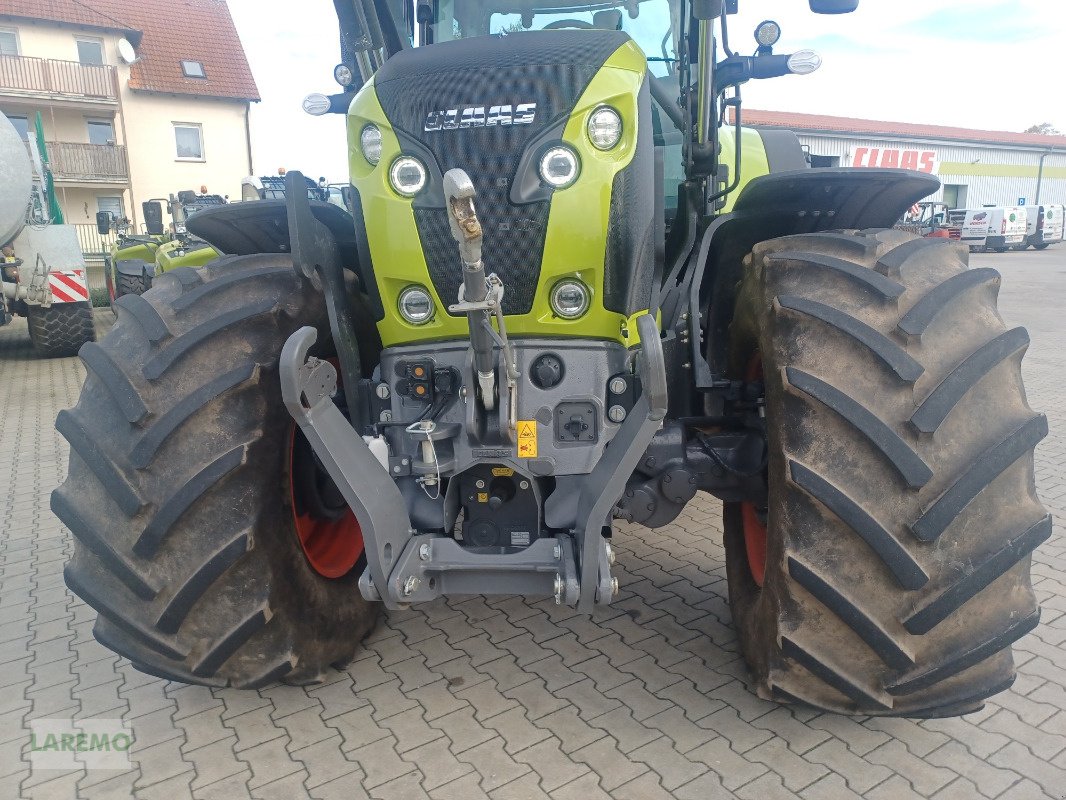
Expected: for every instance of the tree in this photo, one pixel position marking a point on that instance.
(1044, 129)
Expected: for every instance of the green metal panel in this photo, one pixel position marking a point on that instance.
(167, 258)
(753, 161)
(575, 241)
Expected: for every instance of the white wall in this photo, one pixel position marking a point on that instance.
(982, 189)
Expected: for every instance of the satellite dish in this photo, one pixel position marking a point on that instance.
(126, 52)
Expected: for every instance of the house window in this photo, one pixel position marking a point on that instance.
(9, 42)
(193, 69)
(190, 141)
(101, 131)
(22, 125)
(90, 52)
(111, 204)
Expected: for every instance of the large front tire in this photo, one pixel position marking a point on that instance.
(902, 508)
(179, 495)
(60, 329)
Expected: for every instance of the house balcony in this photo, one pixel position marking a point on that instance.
(35, 80)
(77, 164)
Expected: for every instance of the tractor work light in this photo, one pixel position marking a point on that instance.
(558, 167)
(316, 104)
(570, 299)
(407, 176)
(605, 128)
(767, 33)
(370, 143)
(416, 306)
(804, 62)
(342, 73)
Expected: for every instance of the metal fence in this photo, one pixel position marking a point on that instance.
(93, 246)
(47, 76)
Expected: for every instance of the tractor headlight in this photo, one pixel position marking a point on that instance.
(370, 143)
(559, 166)
(407, 176)
(767, 33)
(416, 306)
(605, 128)
(342, 73)
(570, 299)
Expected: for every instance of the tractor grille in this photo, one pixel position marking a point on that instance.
(549, 68)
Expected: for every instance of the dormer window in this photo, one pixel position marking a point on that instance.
(193, 69)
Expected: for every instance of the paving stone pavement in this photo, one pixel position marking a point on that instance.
(514, 700)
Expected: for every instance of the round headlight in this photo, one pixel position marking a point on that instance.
(570, 299)
(342, 73)
(558, 167)
(370, 143)
(605, 128)
(767, 33)
(407, 176)
(416, 306)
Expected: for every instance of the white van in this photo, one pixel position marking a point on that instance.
(1043, 227)
(994, 227)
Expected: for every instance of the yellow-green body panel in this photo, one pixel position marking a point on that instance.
(176, 254)
(753, 162)
(137, 250)
(575, 240)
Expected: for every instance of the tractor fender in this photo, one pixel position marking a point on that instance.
(135, 267)
(262, 226)
(771, 206)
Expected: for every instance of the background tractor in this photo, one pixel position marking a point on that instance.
(42, 270)
(570, 293)
(136, 259)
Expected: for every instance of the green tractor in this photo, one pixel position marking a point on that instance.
(574, 291)
(136, 259)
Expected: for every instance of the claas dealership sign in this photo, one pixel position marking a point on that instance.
(894, 158)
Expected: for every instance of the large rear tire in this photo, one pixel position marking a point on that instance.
(902, 507)
(179, 493)
(61, 329)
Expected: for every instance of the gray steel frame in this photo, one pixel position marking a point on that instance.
(405, 567)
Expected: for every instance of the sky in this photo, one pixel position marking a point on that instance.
(986, 64)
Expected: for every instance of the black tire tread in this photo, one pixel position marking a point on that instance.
(183, 542)
(902, 511)
(890, 444)
(61, 329)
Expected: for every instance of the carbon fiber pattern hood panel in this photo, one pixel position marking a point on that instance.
(549, 68)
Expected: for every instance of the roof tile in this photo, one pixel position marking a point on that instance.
(172, 31)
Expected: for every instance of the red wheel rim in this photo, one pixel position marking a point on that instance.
(753, 525)
(332, 546)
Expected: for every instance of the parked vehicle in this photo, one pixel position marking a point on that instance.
(1043, 226)
(42, 269)
(994, 228)
(136, 260)
(511, 332)
(930, 220)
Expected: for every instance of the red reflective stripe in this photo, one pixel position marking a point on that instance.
(62, 296)
(71, 283)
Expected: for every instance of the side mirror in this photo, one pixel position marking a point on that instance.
(153, 217)
(103, 223)
(833, 6)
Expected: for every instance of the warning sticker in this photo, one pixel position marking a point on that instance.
(502, 472)
(527, 438)
(483, 497)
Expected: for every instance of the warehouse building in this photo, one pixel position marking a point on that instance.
(976, 167)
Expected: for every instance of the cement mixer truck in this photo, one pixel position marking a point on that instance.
(42, 269)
